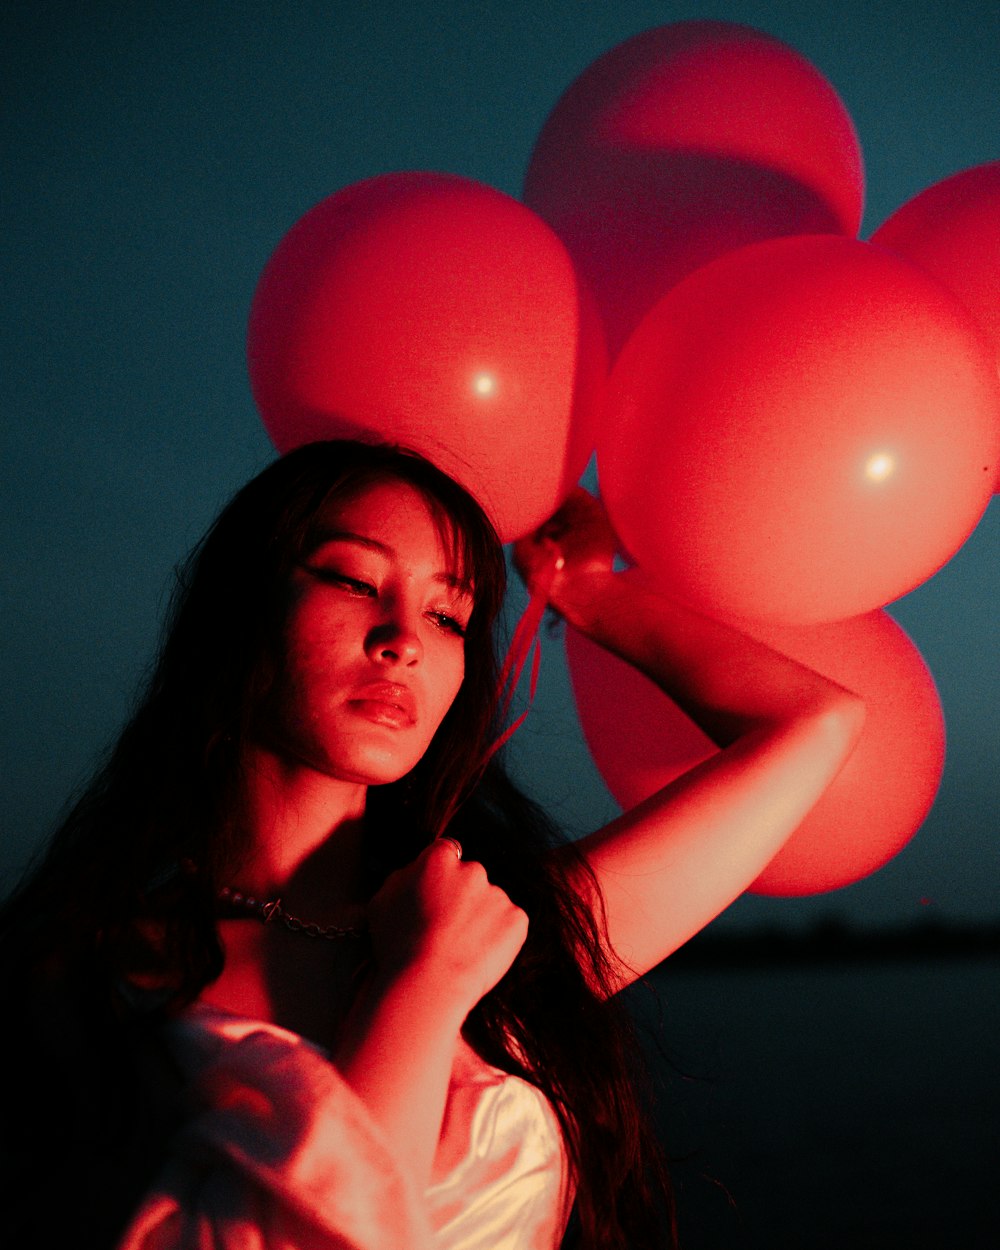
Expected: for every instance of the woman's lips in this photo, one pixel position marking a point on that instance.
(386, 703)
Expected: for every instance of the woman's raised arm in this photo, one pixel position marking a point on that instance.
(670, 865)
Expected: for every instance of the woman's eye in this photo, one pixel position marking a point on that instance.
(352, 585)
(449, 623)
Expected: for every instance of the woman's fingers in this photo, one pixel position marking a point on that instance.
(576, 540)
(442, 915)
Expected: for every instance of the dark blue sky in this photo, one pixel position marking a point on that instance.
(153, 156)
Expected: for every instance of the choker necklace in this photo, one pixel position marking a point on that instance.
(235, 902)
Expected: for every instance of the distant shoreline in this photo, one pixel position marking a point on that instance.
(831, 941)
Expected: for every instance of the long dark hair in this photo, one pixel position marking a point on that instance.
(125, 898)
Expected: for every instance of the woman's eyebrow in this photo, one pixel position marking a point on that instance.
(323, 537)
(345, 536)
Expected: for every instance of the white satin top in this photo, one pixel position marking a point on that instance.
(500, 1178)
(284, 1145)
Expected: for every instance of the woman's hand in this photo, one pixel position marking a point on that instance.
(439, 919)
(570, 556)
(442, 937)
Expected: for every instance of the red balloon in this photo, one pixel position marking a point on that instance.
(801, 431)
(435, 312)
(683, 143)
(952, 229)
(873, 807)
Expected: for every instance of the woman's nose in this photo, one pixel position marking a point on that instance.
(394, 641)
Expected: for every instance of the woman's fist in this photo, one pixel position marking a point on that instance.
(440, 918)
(569, 553)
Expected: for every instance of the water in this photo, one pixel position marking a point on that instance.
(843, 1106)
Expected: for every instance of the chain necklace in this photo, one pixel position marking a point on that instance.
(235, 901)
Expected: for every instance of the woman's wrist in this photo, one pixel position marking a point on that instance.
(396, 1053)
(727, 681)
(414, 997)
(583, 598)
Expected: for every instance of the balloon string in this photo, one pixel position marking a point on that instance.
(525, 634)
(508, 733)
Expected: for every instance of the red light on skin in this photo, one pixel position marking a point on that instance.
(872, 808)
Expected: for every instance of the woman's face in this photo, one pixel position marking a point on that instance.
(374, 639)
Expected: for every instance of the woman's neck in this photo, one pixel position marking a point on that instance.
(306, 840)
(306, 848)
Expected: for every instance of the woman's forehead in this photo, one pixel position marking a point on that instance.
(397, 516)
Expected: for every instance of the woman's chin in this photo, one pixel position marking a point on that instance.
(373, 767)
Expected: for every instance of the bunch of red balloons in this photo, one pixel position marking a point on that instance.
(792, 427)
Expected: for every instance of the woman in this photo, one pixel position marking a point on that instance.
(420, 1045)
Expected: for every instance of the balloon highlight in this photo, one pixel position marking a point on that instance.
(798, 428)
(432, 311)
(802, 431)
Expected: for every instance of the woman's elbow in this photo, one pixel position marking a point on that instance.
(840, 718)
